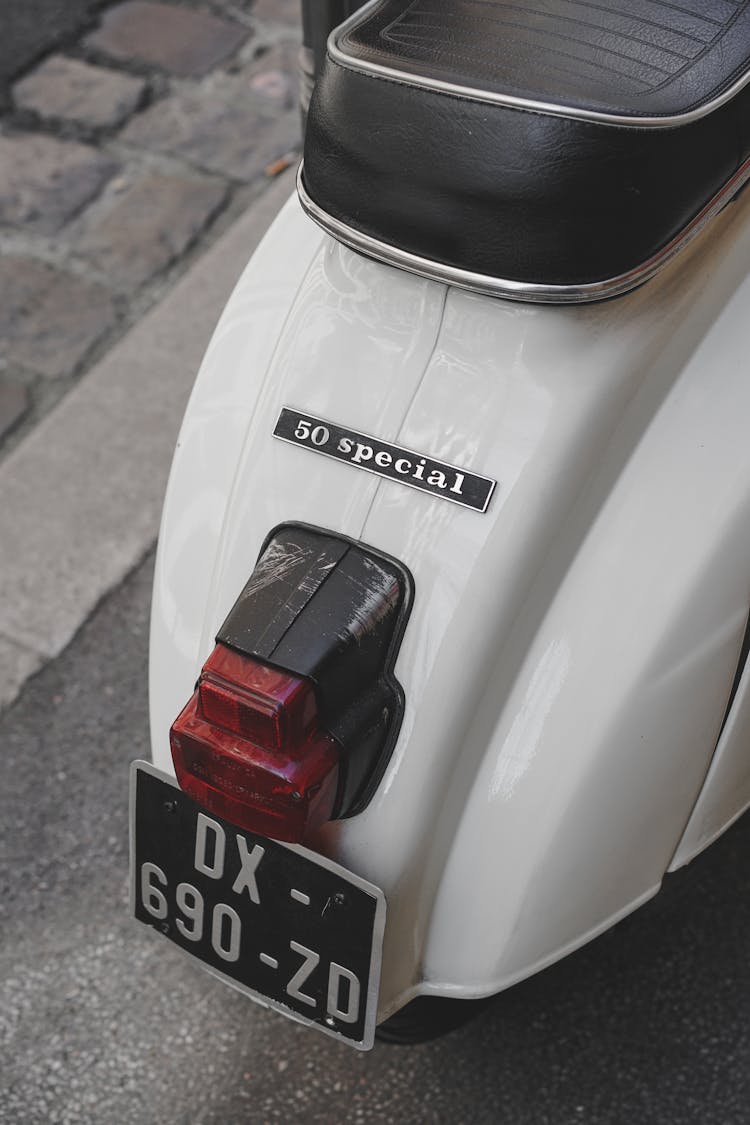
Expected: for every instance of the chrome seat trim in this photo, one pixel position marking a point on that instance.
(536, 292)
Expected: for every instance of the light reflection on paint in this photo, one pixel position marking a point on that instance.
(526, 731)
(686, 657)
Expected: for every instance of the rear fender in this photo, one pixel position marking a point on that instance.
(570, 652)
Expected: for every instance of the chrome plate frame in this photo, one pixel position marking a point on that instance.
(371, 1002)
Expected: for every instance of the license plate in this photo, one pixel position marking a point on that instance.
(287, 927)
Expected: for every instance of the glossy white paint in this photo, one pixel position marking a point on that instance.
(726, 793)
(570, 652)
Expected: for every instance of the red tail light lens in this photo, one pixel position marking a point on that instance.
(262, 704)
(248, 747)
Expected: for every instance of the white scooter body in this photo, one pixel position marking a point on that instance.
(571, 652)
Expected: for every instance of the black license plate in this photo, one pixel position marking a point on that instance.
(285, 926)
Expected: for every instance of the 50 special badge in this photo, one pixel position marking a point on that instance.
(393, 462)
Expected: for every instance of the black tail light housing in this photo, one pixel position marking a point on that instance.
(297, 710)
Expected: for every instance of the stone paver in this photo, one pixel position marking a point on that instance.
(183, 41)
(150, 223)
(278, 11)
(44, 181)
(94, 228)
(49, 319)
(70, 90)
(14, 402)
(273, 75)
(227, 130)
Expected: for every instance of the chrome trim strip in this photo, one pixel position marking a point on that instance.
(340, 56)
(536, 292)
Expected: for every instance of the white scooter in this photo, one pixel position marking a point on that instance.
(456, 544)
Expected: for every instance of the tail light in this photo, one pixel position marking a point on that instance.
(296, 710)
(248, 748)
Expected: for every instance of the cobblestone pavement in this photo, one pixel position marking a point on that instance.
(124, 151)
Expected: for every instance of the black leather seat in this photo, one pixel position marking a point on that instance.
(549, 150)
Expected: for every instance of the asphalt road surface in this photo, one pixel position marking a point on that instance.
(102, 1020)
